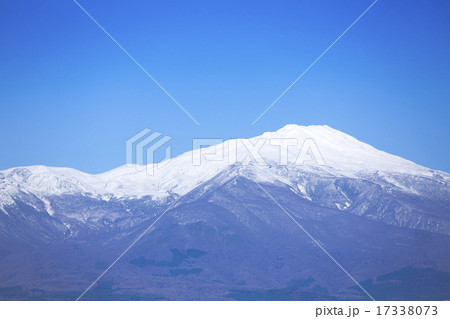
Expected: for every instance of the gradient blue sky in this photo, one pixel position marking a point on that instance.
(70, 97)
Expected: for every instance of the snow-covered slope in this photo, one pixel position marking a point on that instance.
(343, 156)
(376, 212)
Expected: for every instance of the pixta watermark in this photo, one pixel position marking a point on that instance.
(141, 149)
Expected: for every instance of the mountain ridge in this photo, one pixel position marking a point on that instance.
(340, 155)
(223, 237)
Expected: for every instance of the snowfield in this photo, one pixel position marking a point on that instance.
(343, 156)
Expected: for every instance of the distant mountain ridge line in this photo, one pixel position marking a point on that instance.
(377, 213)
(343, 156)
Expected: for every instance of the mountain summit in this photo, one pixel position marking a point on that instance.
(341, 155)
(224, 235)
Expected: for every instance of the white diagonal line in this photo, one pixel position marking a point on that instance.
(316, 242)
(312, 64)
(137, 63)
(194, 185)
(126, 250)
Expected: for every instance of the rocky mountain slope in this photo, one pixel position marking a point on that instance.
(223, 237)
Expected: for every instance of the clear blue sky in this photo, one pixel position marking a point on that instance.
(70, 97)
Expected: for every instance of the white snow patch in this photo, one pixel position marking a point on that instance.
(48, 206)
(302, 190)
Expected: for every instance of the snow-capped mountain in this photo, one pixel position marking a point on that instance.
(380, 213)
(342, 157)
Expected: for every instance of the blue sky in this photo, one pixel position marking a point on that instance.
(70, 97)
